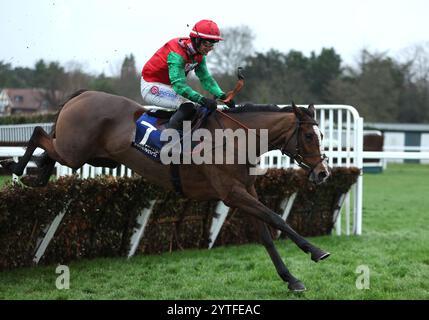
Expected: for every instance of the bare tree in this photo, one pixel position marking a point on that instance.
(415, 102)
(76, 78)
(418, 57)
(233, 51)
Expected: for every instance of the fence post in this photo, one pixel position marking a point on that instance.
(43, 245)
(221, 212)
(359, 183)
(286, 205)
(142, 220)
(336, 217)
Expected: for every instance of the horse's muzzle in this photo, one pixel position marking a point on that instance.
(320, 173)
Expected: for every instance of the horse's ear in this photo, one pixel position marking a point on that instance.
(312, 110)
(296, 110)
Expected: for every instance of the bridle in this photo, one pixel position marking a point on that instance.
(297, 156)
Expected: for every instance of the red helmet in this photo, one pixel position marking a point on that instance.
(206, 29)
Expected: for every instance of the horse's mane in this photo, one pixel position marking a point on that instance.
(250, 107)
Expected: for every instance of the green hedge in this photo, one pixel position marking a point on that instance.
(28, 118)
(311, 213)
(102, 215)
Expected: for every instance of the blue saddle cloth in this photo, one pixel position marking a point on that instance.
(148, 133)
(148, 136)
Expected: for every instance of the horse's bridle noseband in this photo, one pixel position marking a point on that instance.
(296, 156)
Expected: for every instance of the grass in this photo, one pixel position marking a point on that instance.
(4, 179)
(394, 246)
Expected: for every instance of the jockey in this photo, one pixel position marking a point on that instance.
(163, 81)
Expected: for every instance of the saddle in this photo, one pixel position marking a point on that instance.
(150, 125)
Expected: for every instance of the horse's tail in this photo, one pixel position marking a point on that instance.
(73, 95)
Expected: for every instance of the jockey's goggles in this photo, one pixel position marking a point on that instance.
(208, 43)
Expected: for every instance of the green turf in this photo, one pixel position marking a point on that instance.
(394, 246)
(4, 179)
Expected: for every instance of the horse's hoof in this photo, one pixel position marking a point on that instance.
(318, 254)
(296, 286)
(8, 164)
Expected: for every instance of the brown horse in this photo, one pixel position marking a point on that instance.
(98, 128)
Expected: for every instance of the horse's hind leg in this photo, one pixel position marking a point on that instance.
(46, 162)
(46, 166)
(34, 142)
(46, 170)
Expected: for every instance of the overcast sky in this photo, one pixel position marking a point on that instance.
(98, 34)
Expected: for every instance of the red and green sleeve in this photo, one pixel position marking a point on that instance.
(177, 75)
(176, 72)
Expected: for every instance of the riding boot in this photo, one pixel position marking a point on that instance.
(176, 120)
(184, 112)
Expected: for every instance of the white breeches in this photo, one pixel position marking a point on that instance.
(160, 95)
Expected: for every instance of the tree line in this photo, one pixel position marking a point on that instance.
(59, 83)
(382, 88)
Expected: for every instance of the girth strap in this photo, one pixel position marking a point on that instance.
(175, 178)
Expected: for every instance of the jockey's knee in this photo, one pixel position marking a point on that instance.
(187, 108)
(184, 112)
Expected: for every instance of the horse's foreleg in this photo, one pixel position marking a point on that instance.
(267, 241)
(265, 237)
(46, 166)
(239, 198)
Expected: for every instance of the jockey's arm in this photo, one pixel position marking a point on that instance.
(207, 81)
(176, 72)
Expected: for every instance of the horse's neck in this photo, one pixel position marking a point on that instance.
(277, 125)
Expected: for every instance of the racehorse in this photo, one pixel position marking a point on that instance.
(98, 128)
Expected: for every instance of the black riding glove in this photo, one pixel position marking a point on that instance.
(210, 104)
(230, 104)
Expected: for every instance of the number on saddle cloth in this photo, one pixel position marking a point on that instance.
(147, 132)
(148, 137)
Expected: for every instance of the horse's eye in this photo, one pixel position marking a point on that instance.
(308, 136)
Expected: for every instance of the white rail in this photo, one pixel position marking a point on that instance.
(395, 155)
(21, 132)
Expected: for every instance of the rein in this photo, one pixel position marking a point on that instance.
(296, 156)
